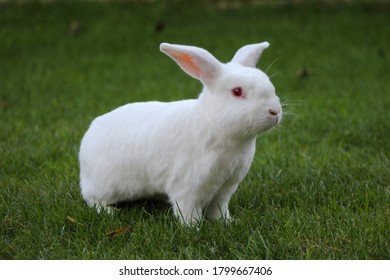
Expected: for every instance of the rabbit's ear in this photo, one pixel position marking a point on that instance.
(195, 61)
(250, 54)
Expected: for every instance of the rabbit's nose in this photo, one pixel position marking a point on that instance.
(274, 112)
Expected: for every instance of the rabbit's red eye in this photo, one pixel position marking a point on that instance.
(238, 92)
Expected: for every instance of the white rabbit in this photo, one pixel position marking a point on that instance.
(194, 152)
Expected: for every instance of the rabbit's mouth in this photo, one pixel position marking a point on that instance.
(276, 120)
(264, 125)
(273, 120)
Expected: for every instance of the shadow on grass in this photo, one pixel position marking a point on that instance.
(151, 206)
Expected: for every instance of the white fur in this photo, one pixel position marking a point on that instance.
(195, 152)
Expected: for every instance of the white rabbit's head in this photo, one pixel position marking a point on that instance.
(237, 98)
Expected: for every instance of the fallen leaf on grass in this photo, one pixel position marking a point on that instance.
(3, 105)
(302, 73)
(120, 231)
(73, 220)
(74, 27)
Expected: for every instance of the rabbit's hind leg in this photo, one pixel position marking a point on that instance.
(187, 212)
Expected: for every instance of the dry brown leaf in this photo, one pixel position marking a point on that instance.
(74, 27)
(120, 231)
(73, 220)
(3, 105)
(302, 73)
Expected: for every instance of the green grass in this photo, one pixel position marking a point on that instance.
(319, 187)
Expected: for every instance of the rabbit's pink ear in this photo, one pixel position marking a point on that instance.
(196, 62)
(250, 54)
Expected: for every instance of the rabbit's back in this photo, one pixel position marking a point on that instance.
(128, 153)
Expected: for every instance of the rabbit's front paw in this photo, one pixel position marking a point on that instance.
(218, 212)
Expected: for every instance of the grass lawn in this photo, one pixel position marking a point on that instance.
(319, 186)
